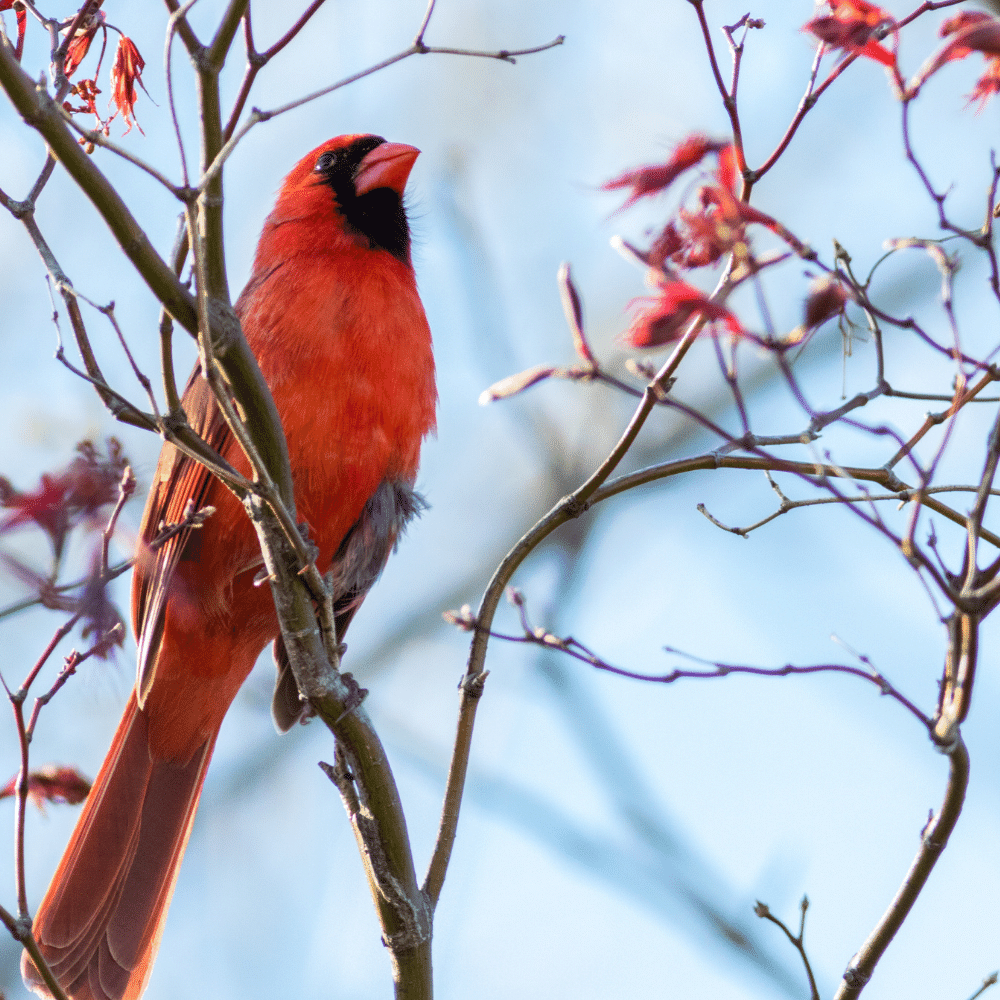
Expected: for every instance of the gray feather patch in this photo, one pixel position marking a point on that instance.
(357, 565)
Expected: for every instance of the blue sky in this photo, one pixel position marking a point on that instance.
(602, 814)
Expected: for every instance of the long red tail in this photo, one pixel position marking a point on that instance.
(100, 922)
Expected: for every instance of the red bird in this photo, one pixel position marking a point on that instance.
(332, 313)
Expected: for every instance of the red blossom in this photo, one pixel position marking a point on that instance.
(68, 498)
(79, 44)
(665, 317)
(857, 27)
(77, 496)
(125, 74)
(696, 237)
(87, 91)
(22, 23)
(701, 238)
(667, 246)
(101, 618)
(646, 181)
(61, 785)
(962, 20)
(708, 236)
(968, 32)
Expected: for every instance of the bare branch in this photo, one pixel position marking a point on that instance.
(764, 912)
(933, 840)
(539, 636)
(417, 48)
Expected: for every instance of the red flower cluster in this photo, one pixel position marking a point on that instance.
(968, 32)
(75, 497)
(704, 237)
(69, 498)
(858, 28)
(693, 238)
(651, 180)
(62, 785)
(126, 72)
(664, 318)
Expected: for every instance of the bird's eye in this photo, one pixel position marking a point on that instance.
(325, 161)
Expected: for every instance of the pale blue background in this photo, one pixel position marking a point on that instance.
(761, 788)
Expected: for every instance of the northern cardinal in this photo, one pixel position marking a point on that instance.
(332, 313)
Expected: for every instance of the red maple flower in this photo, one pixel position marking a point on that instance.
(669, 245)
(79, 44)
(703, 237)
(22, 23)
(100, 617)
(65, 499)
(664, 317)
(52, 784)
(125, 74)
(708, 235)
(968, 32)
(700, 238)
(646, 181)
(87, 90)
(857, 27)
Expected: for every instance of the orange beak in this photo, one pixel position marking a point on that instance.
(386, 166)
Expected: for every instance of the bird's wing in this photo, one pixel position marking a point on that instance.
(178, 479)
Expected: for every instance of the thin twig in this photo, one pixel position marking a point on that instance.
(538, 636)
(798, 940)
(933, 840)
(257, 116)
(256, 61)
(990, 980)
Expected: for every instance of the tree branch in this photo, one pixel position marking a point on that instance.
(933, 840)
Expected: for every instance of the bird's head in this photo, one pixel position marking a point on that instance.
(358, 181)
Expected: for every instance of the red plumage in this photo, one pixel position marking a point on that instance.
(332, 313)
